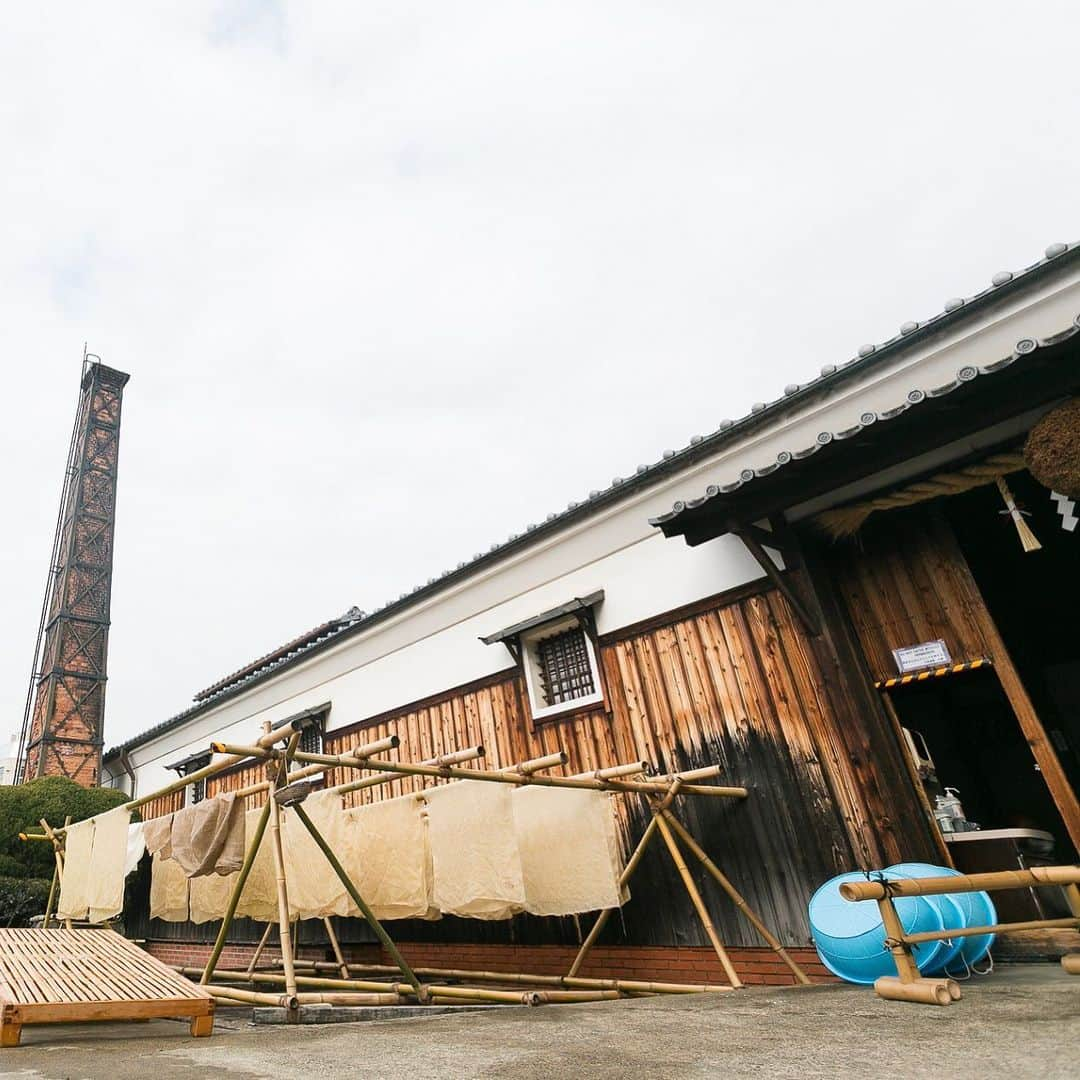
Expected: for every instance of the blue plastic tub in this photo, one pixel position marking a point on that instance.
(976, 909)
(850, 937)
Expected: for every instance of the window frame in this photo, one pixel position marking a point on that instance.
(531, 670)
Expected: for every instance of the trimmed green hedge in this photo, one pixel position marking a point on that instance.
(51, 798)
(21, 899)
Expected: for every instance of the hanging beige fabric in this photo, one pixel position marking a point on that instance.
(259, 898)
(314, 888)
(209, 896)
(208, 838)
(105, 888)
(78, 849)
(156, 833)
(474, 852)
(168, 890)
(569, 850)
(385, 852)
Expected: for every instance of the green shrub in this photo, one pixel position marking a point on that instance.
(52, 798)
(21, 899)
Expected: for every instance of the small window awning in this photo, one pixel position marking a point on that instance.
(191, 763)
(579, 603)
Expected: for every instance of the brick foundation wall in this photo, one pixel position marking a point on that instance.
(756, 967)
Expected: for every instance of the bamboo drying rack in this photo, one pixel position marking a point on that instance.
(309, 982)
(908, 984)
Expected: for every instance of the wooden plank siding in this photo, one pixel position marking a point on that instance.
(734, 684)
(904, 580)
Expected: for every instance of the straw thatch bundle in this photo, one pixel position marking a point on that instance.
(1052, 451)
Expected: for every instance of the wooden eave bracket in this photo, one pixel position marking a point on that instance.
(754, 539)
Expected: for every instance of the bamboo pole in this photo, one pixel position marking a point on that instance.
(934, 886)
(615, 772)
(1071, 963)
(563, 981)
(282, 888)
(335, 945)
(906, 968)
(689, 776)
(281, 1001)
(699, 904)
(358, 900)
(997, 928)
(647, 787)
(273, 979)
(456, 757)
(52, 897)
(624, 878)
(234, 896)
(539, 764)
(475, 993)
(735, 896)
(345, 999)
(259, 948)
(568, 997)
(923, 991)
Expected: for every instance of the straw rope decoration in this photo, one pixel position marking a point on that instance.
(847, 520)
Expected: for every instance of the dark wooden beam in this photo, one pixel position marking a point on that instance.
(748, 534)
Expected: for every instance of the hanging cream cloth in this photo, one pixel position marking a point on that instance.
(209, 896)
(208, 838)
(259, 898)
(156, 834)
(474, 852)
(168, 890)
(386, 855)
(569, 850)
(314, 888)
(105, 888)
(74, 889)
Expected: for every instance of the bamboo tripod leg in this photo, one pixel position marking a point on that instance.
(282, 897)
(698, 902)
(358, 900)
(259, 948)
(736, 897)
(336, 946)
(234, 898)
(602, 918)
(52, 897)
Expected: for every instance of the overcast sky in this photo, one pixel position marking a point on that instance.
(395, 279)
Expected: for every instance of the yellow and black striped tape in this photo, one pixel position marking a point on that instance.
(931, 673)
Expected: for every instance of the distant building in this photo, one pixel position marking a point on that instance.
(9, 748)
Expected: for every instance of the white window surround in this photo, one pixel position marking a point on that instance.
(533, 677)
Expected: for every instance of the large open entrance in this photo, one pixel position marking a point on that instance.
(1034, 599)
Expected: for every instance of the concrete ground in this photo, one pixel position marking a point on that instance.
(1022, 1021)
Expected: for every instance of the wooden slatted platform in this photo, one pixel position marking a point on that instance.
(72, 976)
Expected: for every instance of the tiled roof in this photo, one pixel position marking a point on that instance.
(914, 397)
(699, 446)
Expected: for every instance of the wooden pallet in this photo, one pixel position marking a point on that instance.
(72, 976)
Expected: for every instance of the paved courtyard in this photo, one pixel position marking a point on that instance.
(1022, 1021)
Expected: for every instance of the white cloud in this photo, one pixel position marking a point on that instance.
(352, 253)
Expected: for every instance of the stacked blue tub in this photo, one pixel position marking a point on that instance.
(850, 937)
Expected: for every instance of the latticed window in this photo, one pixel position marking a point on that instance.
(311, 738)
(565, 669)
(198, 791)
